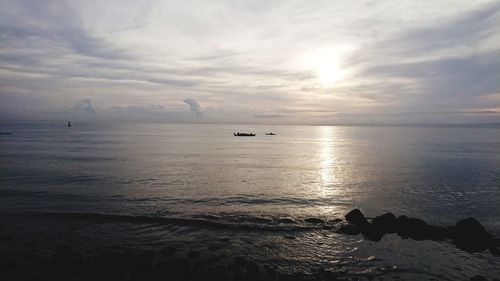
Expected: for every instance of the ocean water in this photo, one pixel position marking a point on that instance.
(150, 185)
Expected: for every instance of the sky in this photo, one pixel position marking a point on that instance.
(263, 62)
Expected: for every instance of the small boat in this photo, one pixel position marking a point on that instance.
(238, 134)
(270, 134)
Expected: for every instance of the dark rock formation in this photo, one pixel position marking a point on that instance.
(468, 234)
(471, 236)
(349, 229)
(380, 226)
(385, 222)
(357, 218)
(437, 233)
(413, 228)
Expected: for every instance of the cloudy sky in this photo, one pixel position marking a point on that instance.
(290, 62)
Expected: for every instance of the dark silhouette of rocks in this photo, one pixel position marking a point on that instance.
(438, 233)
(379, 226)
(357, 218)
(413, 228)
(385, 222)
(349, 229)
(468, 234)
(471, 236)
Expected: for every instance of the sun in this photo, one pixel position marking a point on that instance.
(325, 65)
(328, 74)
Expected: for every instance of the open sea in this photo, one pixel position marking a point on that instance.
(148, 185)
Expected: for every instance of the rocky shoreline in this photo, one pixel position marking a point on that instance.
(64, 262)
(467, 234)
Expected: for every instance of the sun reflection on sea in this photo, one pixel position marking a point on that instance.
(326, 169)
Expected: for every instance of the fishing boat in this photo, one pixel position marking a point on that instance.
(270, 134)
(238, 134)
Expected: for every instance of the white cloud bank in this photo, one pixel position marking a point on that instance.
(308, 62)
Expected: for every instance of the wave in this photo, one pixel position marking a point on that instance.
(236, 222)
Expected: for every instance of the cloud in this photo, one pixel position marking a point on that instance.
(269, 116)
(128, 54)
(85, 106)
(195, 107)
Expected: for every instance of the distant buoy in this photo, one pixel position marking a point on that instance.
(69, 124)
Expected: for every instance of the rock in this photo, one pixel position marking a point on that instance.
(168, 251)
(385, 223)
(314, 220)
(471, 236)
(380, 225)
(286, 220)
(357, 218)
(437, 233)
(411, 228)
(192, 255)
(372, 232)
(478, 278)
(67, 256)
(349, 229)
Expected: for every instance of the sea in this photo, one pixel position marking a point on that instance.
(198, 187)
